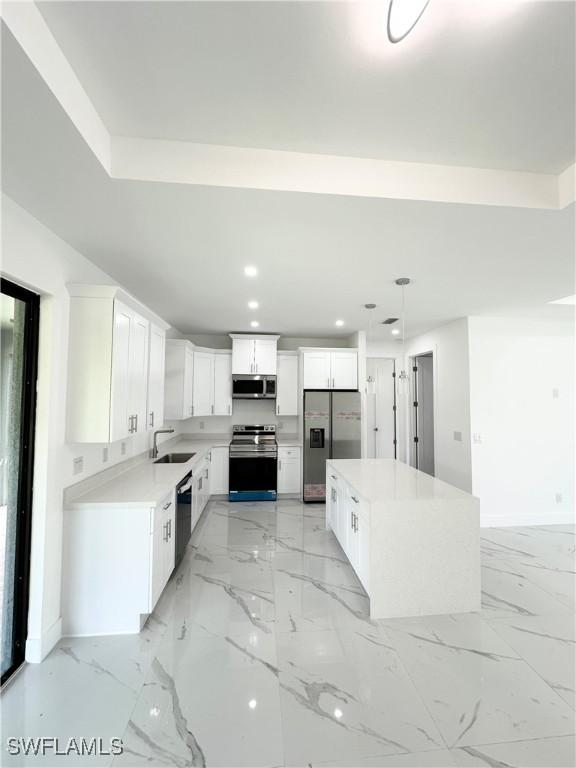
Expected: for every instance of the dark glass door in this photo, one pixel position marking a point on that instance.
(253, 473)
(19, 311)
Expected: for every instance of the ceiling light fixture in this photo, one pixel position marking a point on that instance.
(253, 305)
(403, 15)
(250, 271)
(254, 323)
(402, 380)
(339, 323)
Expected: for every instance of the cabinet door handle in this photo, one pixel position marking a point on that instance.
(165, 534)
(333, 383)
(279, 464)
(151, 418)
(277, 410)
(167, 506)
(354, 499)
(212, 409)
(129, 424)
(333, 477)
(191, 410)
(169, 529)
(200, 484)
(357, 518)
(136, 423)
(351, 519)
(328, 382)
(206, 474)
(229, 409)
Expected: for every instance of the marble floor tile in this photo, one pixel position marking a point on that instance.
(477, 687)
(548, 645)
(261, 652)
(536, 753)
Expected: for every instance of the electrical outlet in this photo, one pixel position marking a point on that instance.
(458, 437)
(558, 498)
(78, 465)
(105, 454)
(201, 425)
(123, 449)
(477, 438)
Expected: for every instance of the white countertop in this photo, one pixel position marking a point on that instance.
(378, 480)
(147, 483)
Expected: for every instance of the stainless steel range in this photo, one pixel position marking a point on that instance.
(253, 463)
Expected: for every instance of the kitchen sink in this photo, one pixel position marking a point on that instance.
(174, 458)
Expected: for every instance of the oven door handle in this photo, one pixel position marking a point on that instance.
(254, 455)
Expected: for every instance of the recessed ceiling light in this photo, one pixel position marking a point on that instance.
(339, 323)
(252, 703)
(250, 271)
(253, 304)
(565, 300)
(254, 323)
(395, 332)
(403, 15)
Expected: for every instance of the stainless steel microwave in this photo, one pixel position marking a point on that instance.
(253, 387)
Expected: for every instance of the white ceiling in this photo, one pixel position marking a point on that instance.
(484, 83)
(181, 249)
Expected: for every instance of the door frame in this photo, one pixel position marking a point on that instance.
(413, 452)
(25, 471)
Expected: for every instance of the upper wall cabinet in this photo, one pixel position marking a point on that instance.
(222, 384)
(178, 379)
(108, 365)
(203, 386)
(287, 385)
(156, 366)
(254, 354)
(330, 369)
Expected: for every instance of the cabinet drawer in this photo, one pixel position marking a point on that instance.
(287, 453)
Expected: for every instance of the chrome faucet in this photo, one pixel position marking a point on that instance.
(154, 451)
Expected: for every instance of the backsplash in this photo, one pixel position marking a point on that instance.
(243, 412)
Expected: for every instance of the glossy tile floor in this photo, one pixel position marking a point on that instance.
(261, 654)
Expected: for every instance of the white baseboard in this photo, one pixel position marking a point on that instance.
(37, 648)
(510, 521)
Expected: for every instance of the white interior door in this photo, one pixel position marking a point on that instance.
(424, 416)
(380, 408)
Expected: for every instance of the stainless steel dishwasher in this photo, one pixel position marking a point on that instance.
(183, 516)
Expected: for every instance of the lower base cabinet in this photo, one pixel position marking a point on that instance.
(289, 470)
(116, 562)
(347, 516)
(219, 470)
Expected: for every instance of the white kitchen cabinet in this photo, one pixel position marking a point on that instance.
(116, 561)
(330, 369)
(107, 390)
(242, 355)
(163, 547)
(344, 370)
(265, 356)
(203, 384)
(289, 470)
(179, 374)
(222, 384)
(219, 470)
(287, 385)
(156, 363)
(316, 370)
(254, 354)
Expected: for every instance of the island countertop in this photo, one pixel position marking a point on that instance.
(381, 479)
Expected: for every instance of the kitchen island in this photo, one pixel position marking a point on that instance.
(413, 540)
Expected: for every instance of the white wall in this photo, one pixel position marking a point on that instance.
(37, 259)
(243, 412)
(522, 415)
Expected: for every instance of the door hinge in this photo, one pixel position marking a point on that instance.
(415, 403)
(415, 439)
(393, 407)
(394, 442)
(394, 375)
(415, 368)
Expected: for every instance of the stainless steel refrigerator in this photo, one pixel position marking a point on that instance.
(331, 431)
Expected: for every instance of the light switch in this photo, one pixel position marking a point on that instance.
(78, 465)
(458, 437)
